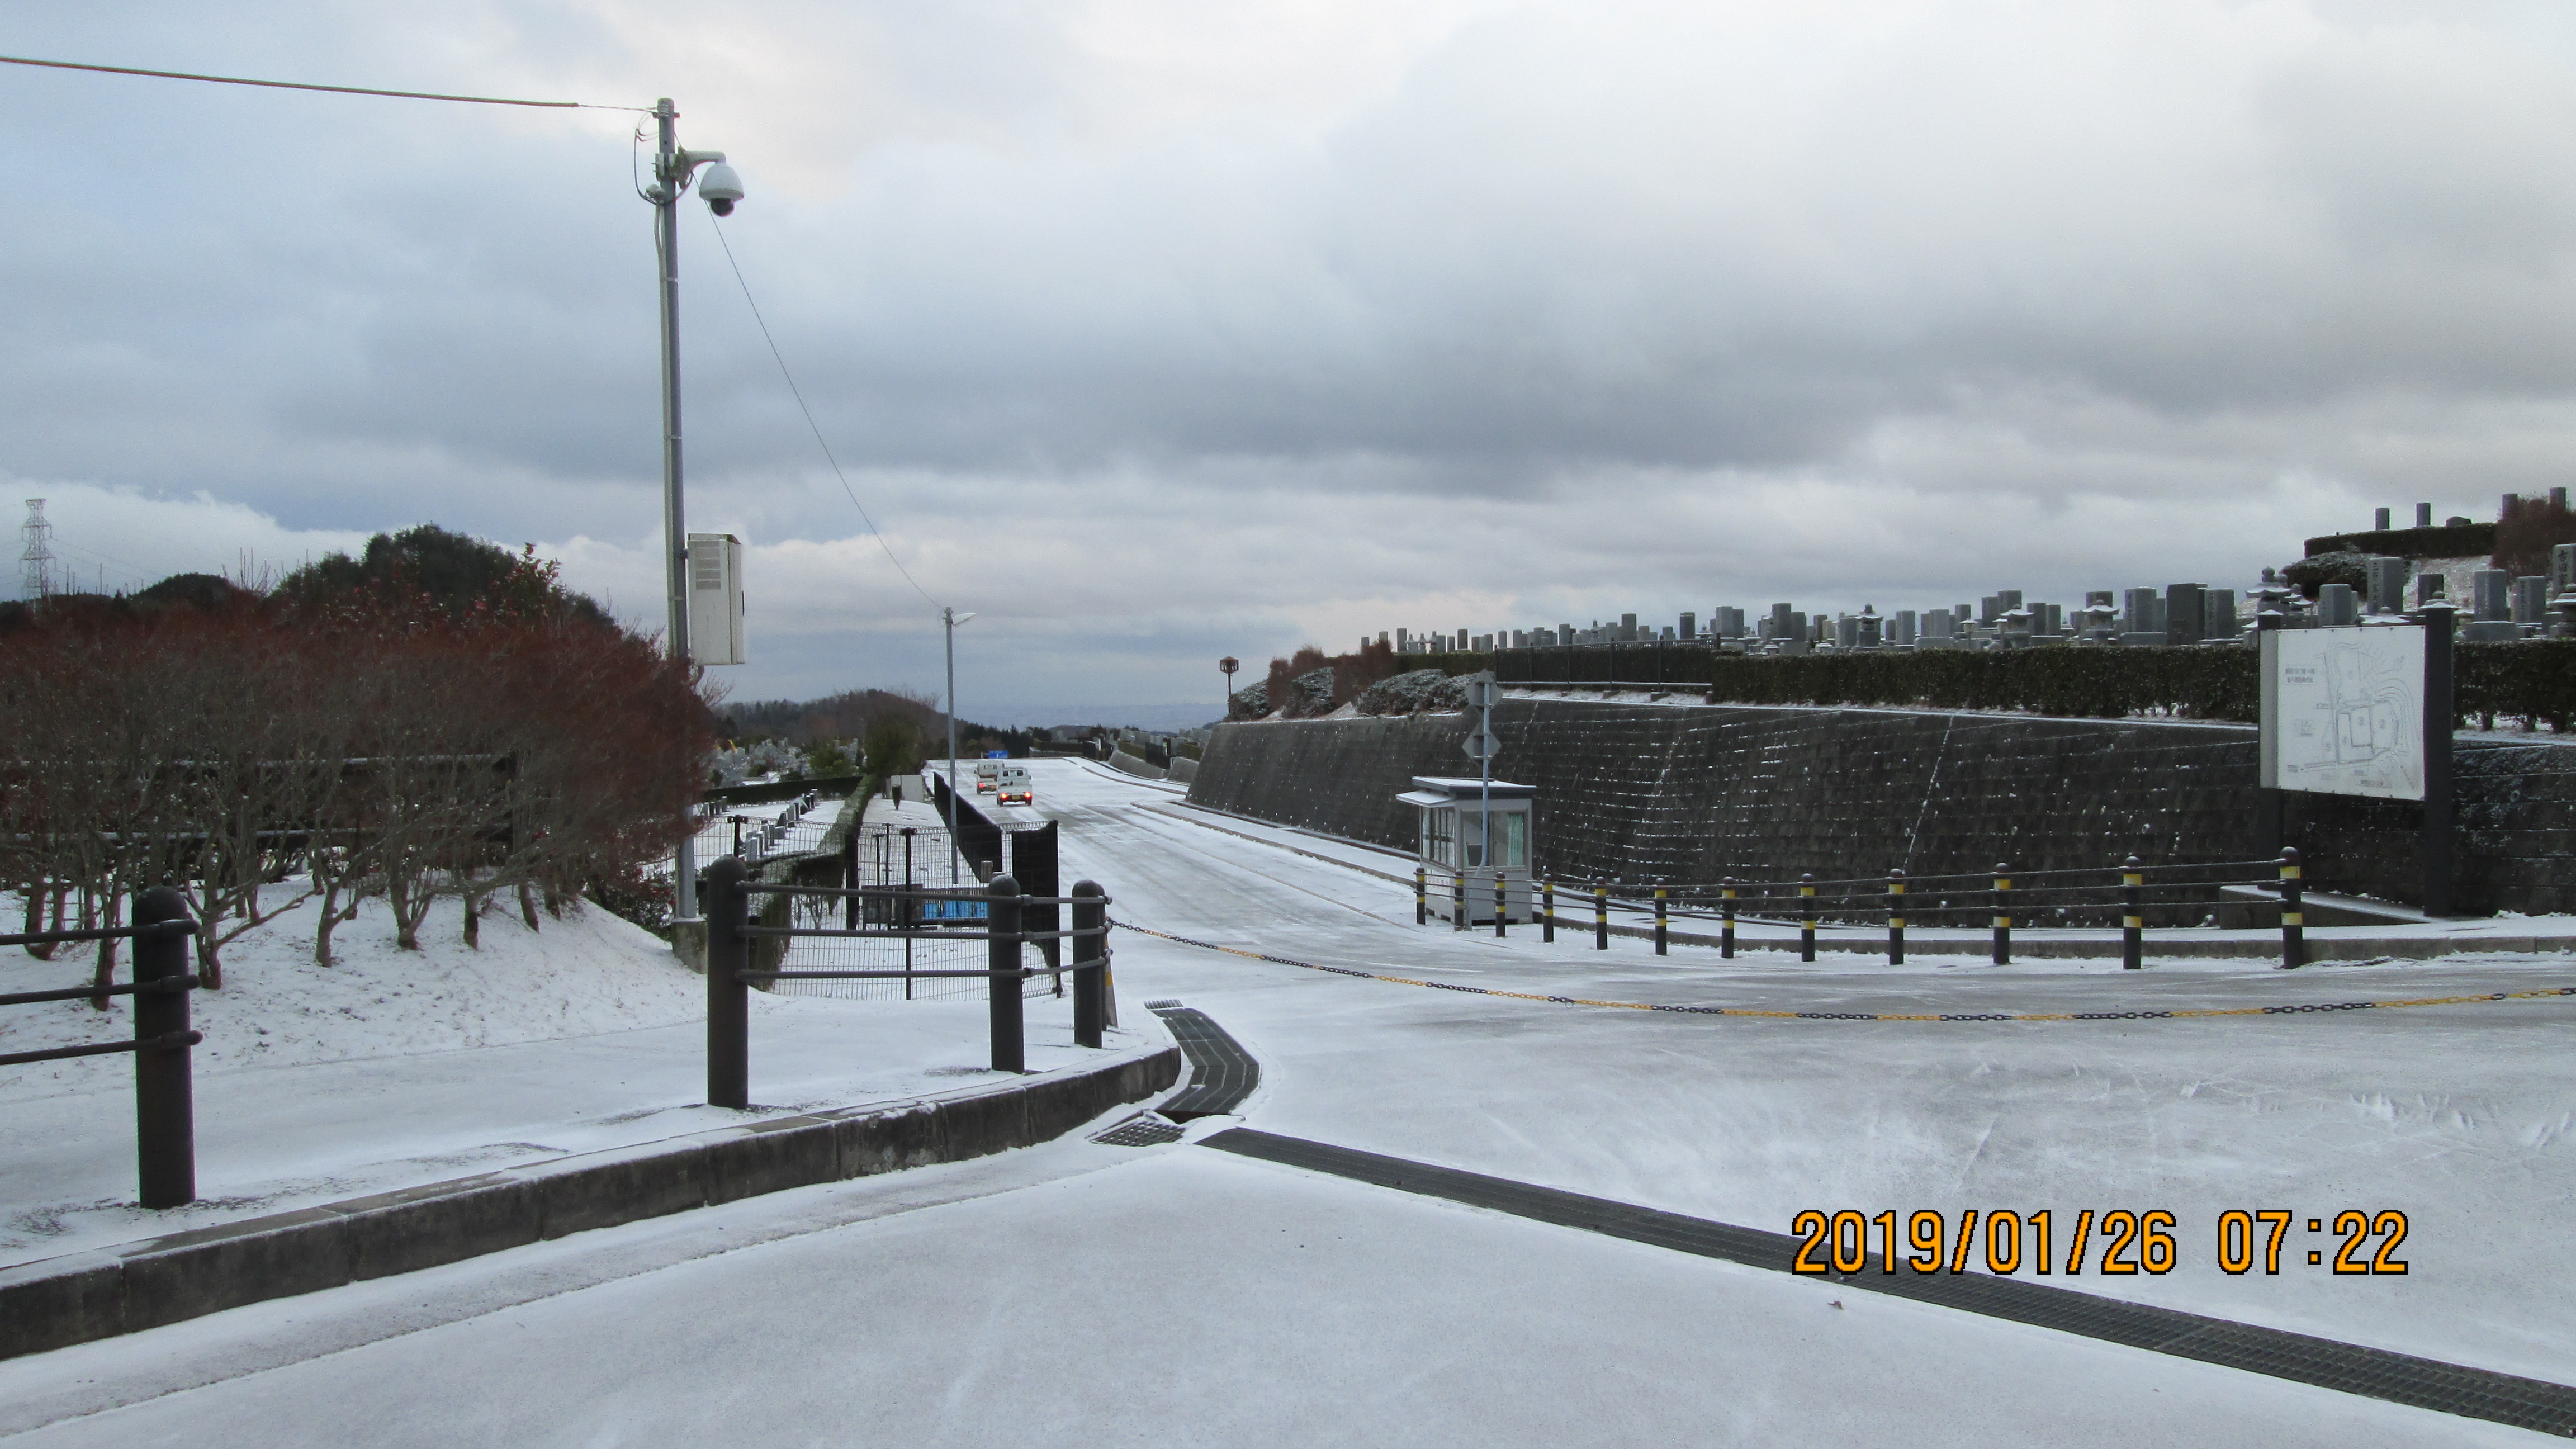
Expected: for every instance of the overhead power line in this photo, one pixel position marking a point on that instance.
(235, 80)
(799, 394)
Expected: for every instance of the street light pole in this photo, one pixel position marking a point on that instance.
(675, 536)
(949, 619)
(672, 170)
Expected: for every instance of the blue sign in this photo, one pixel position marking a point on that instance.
(997, 754)
(954, 908)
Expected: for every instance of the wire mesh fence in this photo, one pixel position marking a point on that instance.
(917, 954)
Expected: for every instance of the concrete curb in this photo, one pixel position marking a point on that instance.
(93, 1295)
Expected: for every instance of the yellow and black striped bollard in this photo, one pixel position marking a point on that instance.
(1547, 912)
(1421, 896)
(2133, 920)
(1807, 917)
(2003, 913)
(2294, 920)
(1600, 919)
(1661, 946)
(1896, 918)
(1502, 904)
(1726, 920)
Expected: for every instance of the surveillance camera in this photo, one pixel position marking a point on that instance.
(720, 188)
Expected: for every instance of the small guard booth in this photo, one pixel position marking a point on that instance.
(1453, 840)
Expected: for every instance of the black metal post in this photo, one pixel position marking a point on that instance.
(1807, 917)
(1726, 920)
(1547, 912)
(907, 910)
(1002, 926)
(1896, 918)
(1600, 919)
(2294, 920)
(1662, 947)
(1421, 896)
(2003, 914)
(1502, 904)
(1090, 962)
(1458, 899)
(728, 911)
(2439, 717)
(850, 879)
(165, 1122)
(2133, 919)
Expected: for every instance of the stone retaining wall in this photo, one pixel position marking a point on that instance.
(1635, 793)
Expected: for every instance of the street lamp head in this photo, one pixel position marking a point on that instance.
(720, 188)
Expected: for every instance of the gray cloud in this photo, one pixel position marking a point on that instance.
(1156, 332)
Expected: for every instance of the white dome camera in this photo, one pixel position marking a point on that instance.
(720, 188)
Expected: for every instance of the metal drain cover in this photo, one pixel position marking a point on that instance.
(1161, 1005)
(1143, 1130)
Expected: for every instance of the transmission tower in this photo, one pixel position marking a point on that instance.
(36, 555)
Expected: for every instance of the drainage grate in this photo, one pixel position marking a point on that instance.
(1165, 1004)
(1222, 1073)
(1142, 1130)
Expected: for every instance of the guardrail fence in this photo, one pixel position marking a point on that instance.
(165, 1124)
(913, 916)
(2006, 901)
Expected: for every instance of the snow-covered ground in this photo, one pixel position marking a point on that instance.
(1080, 1294)
(393, 1068)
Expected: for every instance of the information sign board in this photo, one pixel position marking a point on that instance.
(2343, 711)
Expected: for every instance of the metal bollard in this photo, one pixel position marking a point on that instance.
(1502, 904)
(1458, 901)
(728, 912)
(1896, 918)
(165, 1122)
(1600, 919)
(2294, 920)
(2133, 919)
(1807, 917)
(1547, 912)
(1090, 961)
(1421, 896)
(1002, 960)
(1726, 919)
(1661, 944)
(2003, 913)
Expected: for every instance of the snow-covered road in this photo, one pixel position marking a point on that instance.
(1083, 1294)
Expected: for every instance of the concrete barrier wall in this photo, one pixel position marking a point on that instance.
(95, 1295)
(1636, 793)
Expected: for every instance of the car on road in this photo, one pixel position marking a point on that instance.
(987, 776)
(1012, 786)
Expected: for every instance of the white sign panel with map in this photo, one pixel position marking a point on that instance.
(2343, 711)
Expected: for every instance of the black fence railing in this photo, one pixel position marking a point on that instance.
(165, 1128)
(2005, 901)
(1005, 913)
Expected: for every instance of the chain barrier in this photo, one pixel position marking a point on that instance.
(2290, 1010)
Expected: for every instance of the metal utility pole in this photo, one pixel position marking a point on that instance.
(668, 179)
(672, 170)
(949, 620)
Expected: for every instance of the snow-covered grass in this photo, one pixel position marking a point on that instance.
(586, 973)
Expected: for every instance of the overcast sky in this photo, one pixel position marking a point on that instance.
(1154, 330)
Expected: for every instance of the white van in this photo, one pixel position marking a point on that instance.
(987, 772)
(1013, 787)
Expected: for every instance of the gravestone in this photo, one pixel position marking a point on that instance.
(2337, 606)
